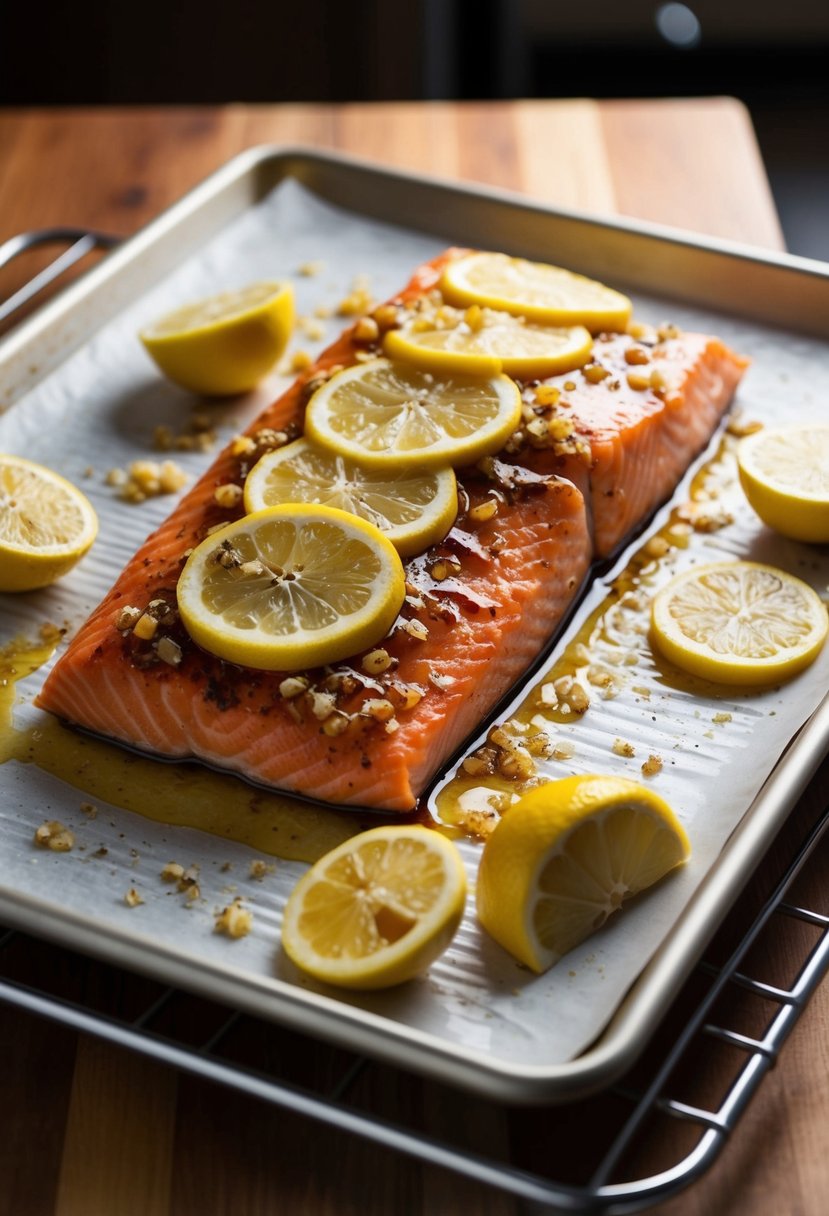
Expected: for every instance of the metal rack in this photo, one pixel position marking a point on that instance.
(79, 242)
(259, 1060)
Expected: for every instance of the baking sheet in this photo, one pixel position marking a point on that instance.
(98, 410)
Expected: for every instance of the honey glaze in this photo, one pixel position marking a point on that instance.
(178, 795)
(609, 652)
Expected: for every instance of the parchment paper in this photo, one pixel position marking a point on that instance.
(98, 410)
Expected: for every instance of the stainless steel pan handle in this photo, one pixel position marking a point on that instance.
(79, 242)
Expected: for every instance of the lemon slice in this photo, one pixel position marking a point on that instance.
(785, 475)
(46, 525)
(489, 342)
(386, 414)
(565, 857)
(534, 290)
(378, 909)
(739, 623)
(225, 344)
(413, 508)
(291, 587)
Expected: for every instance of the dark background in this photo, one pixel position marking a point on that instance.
(774, 56)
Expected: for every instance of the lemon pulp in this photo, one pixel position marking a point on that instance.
(390, 414)
(785, 475)
(46, 525)
(489, 342)
(535, 290)
(291, 587)
(378, 909)
(413, 508)
(225, 344)
(739, 622)
(566, 856)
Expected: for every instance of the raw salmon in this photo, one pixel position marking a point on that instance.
(479, 609)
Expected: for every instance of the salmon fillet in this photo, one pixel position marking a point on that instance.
(640, 441)
(460, 642)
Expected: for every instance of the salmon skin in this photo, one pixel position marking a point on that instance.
(591, 459)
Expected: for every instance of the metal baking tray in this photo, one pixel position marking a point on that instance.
(770, 289)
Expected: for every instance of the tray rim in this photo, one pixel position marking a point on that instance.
(627, 1033)
(282, 159)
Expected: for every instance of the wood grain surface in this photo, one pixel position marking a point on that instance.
(89, 1129)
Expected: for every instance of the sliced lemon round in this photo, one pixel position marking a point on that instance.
(739, 623)
(46, 525)
(488, 342)
(412, 508)
(291, 587)
(785, 475)
(566, 856)
(226, 344)
(392, 415)
(534, 290)
(378, 909)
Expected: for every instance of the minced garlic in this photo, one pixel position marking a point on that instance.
(234, 921)
(259, 870)
(144, 479)
(54, 836)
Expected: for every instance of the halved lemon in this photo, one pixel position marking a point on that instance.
(46, 525)
(566, 856)
(548, 294)
(291, 587)
(225, 344)
(392, 415)
(739, 623)
(493, 342)
(784, 472)
(412, 508)
(378, 909)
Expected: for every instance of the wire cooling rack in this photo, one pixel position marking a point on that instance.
(725, 1031)
(638, 1143)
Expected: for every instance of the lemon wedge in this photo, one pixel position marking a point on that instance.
(378, 909)
(412, 508)
(225, 344)
(483, 342)
(785, 475)
(385, 414)
(566, 856)
(46, 525)
(739, 623)
(548, 294)
(291, 587)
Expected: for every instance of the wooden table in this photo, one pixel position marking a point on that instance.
(91, 1130)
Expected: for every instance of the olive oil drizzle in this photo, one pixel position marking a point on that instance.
(184, 795)
(178, 795)
(609, 645)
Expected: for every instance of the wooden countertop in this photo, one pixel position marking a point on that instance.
(92, 1130)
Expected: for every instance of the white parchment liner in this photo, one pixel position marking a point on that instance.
(99, 409)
